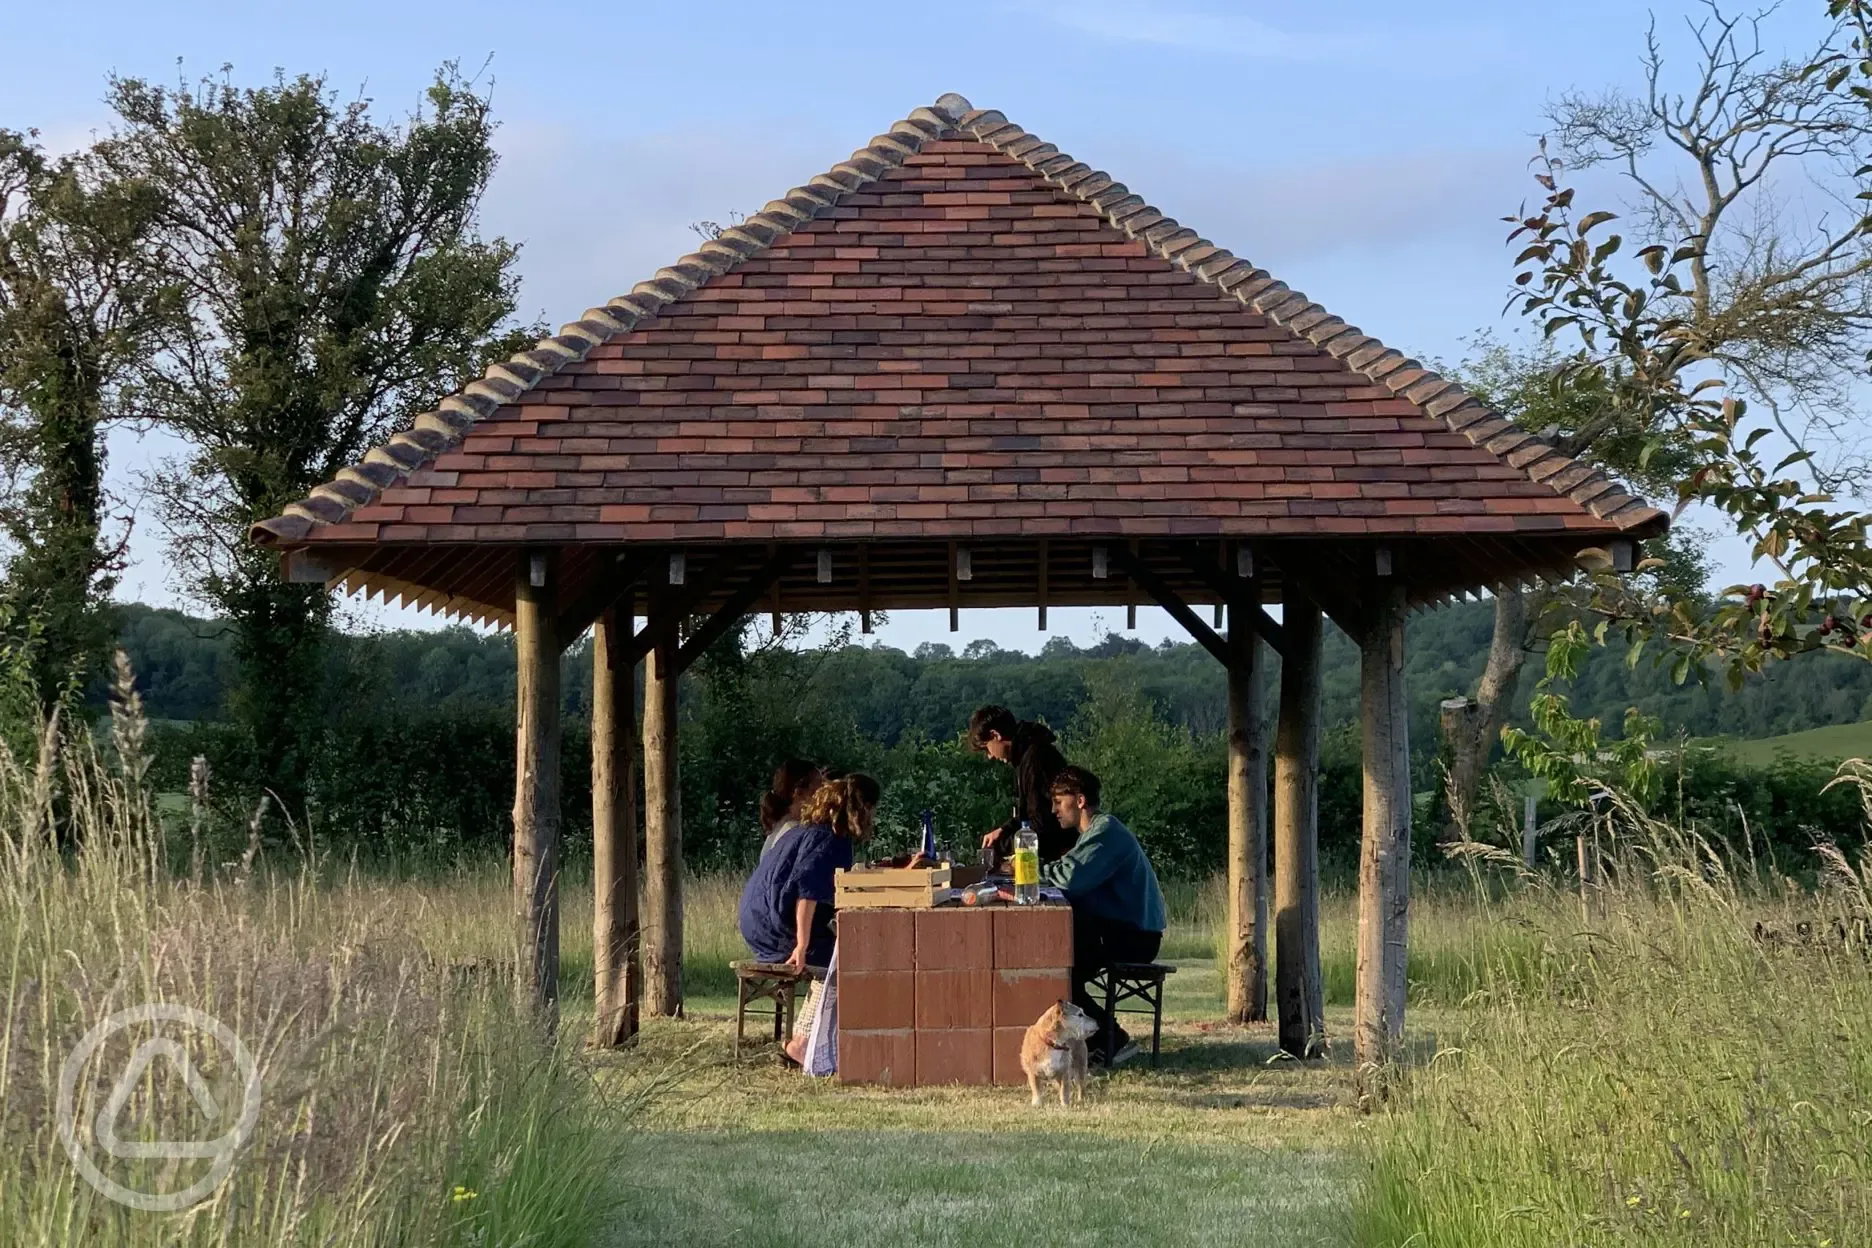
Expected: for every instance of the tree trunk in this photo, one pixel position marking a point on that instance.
(536, 792)
(1384, 849)
(663, 865)
(1247, 852)
(1299, 985)
(616, 964)
(1472, 732)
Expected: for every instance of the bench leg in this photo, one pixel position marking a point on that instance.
(740, 1015)
(1156, 1023)
(1111, 1016)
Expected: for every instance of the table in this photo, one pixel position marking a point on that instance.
(944, 996)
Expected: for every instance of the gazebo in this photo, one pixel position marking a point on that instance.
(958, 370)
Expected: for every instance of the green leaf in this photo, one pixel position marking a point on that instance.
(1593, 220)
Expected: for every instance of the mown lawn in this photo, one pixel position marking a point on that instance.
(1224, 1143)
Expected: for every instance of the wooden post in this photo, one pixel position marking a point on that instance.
(1043, 583)
(1384, 848)
(536, 786)
(616, 961)
(663, 925)
(1246, 982)
(1299, 987)
(1530, 832)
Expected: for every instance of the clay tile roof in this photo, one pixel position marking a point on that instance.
(1189, 390)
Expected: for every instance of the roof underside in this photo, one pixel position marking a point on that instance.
(973, 343)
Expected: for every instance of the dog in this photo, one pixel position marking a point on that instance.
(1054, 1050)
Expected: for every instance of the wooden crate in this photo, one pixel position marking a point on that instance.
(899, 888)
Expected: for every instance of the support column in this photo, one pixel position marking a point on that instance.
(663, 865)
(1246, 973)
(536, 786)
(1299, 989)
(1384, 849)
(616, 959)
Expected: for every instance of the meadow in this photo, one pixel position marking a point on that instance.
(1682, 1056)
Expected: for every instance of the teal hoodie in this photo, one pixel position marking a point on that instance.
(1107, 873)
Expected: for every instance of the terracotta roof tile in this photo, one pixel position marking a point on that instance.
(959, 331)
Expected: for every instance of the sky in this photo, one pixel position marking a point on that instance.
(1363, 152)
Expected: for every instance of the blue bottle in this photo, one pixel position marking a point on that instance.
(929, 835)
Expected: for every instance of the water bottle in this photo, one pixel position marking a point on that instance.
(929, 835)
(1026, 865)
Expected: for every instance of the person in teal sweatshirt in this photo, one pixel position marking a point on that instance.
(1118, 907)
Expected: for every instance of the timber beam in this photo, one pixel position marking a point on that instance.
(1167, 598)
(605, 593)
(669, 612)
(1239, 595)
(744, 596)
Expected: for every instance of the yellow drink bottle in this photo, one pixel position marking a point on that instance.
(1026, 865)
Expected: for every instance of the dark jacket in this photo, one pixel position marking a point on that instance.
(1036, 763)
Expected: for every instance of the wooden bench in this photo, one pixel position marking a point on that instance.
(776, 983)
(1132, 981)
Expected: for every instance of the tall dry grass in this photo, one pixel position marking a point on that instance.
(1647, 1066)
(402, 1098)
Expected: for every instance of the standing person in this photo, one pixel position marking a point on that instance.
(1118, 908)
(782, 804)
(1028, 748)
(787, 906)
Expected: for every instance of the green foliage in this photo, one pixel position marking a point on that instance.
(1168, 785)
(337, 285)
(1570, 753)
(403, 1103)
(1686, 1063)
(1709, 316)
(80, 313)
(422, 761)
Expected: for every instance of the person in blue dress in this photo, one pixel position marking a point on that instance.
(787, 907)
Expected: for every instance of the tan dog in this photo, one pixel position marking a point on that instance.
(1055, 1050)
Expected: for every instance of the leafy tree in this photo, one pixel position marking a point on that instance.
(79, 315)
(1723, 311)
(1533, 387)
(336, 285)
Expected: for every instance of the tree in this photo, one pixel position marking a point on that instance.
(1731, 310)
(336, 285)
(1533, 387)
(79, 314)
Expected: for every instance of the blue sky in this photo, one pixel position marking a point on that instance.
(1363, 152)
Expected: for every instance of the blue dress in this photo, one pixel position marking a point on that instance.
(799, 867)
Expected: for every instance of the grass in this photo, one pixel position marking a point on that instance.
(1221, 1144)
(1830, 744)
(1656, 1074)
(1646, 1069)
(400, 1101)
(1226, 1142)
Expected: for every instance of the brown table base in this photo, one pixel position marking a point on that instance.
(929, 997)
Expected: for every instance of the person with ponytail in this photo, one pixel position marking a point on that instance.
(781, 805)
(787, 906)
